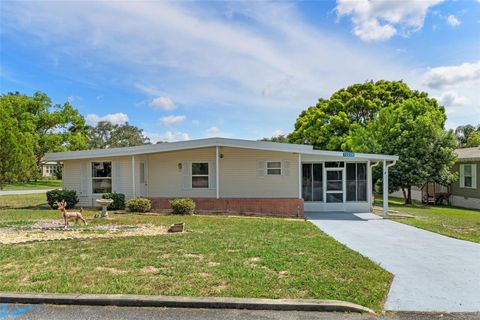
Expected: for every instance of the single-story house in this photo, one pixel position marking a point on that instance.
(227, 175)
(48, 168)
(466, 191)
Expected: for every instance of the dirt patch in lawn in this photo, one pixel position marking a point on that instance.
(52, 230)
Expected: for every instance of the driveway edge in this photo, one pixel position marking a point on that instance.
(183, 302)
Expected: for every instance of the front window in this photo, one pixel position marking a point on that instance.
(274, 168)
(101, 177)
(468, 177)
(200, 175)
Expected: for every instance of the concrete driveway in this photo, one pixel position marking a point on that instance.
(432, 272)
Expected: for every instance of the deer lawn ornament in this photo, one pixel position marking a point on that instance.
(66, 215)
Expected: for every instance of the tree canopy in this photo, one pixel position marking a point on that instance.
(468, 136)
(384, 117)
(281, 138)
(31, 127)
(108, 135)
(327, 124)
(17, 160)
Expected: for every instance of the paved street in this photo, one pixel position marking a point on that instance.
(4, 193)
(52, 312)
(432, 272)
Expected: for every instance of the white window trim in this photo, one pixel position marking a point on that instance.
(271, 161)
(98, 178)
(200, 175)
(473, 172)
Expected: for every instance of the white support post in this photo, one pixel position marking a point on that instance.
(133, 177)
(385, 188)
(217, 172)
(299, 176)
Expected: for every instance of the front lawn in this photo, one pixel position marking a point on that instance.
(34, 185)
(217, 256)
(453, 222)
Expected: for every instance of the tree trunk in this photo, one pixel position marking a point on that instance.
(408, 200)
(404, 195)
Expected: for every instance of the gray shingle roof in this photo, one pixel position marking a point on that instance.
(468, 153)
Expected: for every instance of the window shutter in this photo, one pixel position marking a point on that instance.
(261, 168)
(84, 178)
(117, 176)
(212, 175)
(462, 176)
(474, 176)
(187, 179)
(286, 168)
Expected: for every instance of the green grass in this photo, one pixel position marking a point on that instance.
(23, 201)
(450, 221)
(217, 256)
(34, 185)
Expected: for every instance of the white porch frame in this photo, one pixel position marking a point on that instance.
(217, 173)
(385, 185)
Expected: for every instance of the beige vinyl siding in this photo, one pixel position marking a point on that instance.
(72, 178)
(165, 179)
(239, 176)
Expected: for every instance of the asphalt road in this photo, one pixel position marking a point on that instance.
(54, 312)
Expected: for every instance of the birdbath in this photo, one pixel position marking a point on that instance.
(104, 203)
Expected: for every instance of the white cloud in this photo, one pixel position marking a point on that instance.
(440, 77)
(278, 132)
(212, 132)
(164, 103)
(168, 136)
(452, 99)
(453, 21)
(171, 120)
(114, 118)
(379, 20)
(174, 52)
(196, 122)
(72, 99)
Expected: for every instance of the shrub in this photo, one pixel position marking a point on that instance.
(118, 200)
(182, 206)
(58, 173)
(58, 195)
(139, 204)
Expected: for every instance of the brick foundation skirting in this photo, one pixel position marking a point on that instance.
(291, 207)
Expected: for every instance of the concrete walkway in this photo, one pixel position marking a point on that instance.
(4, 193)
(432, 272)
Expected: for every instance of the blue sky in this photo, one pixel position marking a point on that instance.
(186, 70)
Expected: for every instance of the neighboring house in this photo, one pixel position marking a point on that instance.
(48, 168)
(466, 191)
(226, 175)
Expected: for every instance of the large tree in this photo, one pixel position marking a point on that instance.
(281, 138)
(384, 117)
(468, 136)
(414, 130)
(108, 135)
(327, 124)
(473, 140)
(53, 128)
(17, 160)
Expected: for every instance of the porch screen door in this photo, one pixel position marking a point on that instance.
(334, 185)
